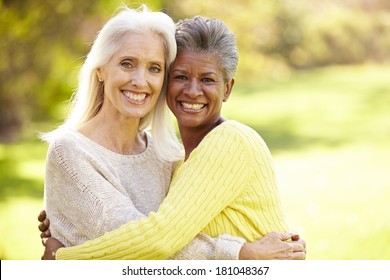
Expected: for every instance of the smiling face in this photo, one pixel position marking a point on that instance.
(196, 89)
(134, 76)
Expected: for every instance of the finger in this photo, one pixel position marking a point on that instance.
(44, 225)
(46, 234)
(297, 247)
(303, 242)
(42, 215)
(299, 256)
(44, 240)
(295, 237)
(300, 241)
(284, 236)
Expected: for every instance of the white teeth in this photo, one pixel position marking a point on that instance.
(192, 106)
(135, 97)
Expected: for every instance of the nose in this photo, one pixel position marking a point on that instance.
(193, 88)
(138, 78)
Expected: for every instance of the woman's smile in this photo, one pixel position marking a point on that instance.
(134, 97)
(192, 107)
(196, 89)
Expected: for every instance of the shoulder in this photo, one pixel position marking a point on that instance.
(230, 139)
(239, 131)
(245, 137)
(239, 128)
(64, 138)
(65, 145)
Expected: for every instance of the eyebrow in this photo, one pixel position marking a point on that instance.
(160, 62)
(184, 72)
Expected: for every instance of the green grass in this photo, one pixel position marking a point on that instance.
(22, 169)
(329, 133)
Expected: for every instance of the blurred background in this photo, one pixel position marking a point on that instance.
(313, 80)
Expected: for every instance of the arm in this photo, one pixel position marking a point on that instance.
(194, 199)
(73, 190)
(224, 247)
(273, 246)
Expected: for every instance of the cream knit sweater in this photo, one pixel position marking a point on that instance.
(90, 190)
(227, 185)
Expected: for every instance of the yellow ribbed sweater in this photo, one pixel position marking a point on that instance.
(227, 185)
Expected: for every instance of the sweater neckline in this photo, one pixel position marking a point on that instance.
(214, 130)
(145, 154)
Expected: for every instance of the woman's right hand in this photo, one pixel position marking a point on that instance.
(275, 246)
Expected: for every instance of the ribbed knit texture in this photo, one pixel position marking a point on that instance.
(227, 185)
(90, 190)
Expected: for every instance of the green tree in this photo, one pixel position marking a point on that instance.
(40, 43)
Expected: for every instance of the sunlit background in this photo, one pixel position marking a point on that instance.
(313, 80)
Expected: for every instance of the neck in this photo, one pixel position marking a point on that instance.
(192, 136)
(121, 136)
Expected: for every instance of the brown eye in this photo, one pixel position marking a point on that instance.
(207, 80)
(180, 77)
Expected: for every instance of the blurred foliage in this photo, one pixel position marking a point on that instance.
(40, 43)
(277, 37)
(43, 43)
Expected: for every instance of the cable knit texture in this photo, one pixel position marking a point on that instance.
(227, 185)
(90, 190)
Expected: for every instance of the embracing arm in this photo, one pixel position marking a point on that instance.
(90, 187)
(224, 247)
(273, 246)
(195, 198)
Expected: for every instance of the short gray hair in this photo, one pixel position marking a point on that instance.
(209, 35)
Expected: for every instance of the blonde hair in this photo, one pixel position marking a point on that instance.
(88, 98)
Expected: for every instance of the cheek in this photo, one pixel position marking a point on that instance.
(171, 93)
(158, 84)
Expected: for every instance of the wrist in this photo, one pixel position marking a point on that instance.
(244, 252)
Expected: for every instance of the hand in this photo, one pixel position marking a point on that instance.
(51, 246)
(44, 224)
(275, 246)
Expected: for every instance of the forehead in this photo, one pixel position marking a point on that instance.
(147, 45)
(196, 59)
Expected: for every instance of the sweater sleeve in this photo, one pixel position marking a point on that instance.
(206, 183)
(87, 190)
(204, 247)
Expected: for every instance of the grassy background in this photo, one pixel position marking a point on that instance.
(329, 133)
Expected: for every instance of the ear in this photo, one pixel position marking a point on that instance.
(228, 90)
(99, 74)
